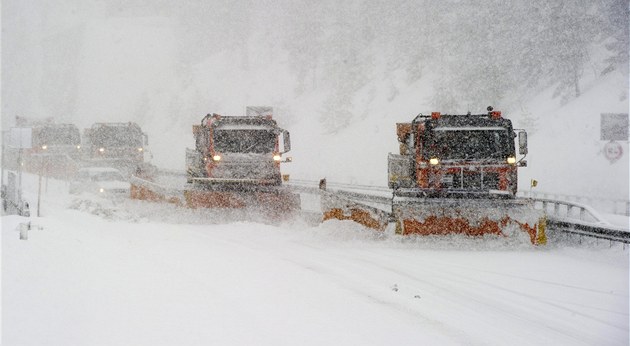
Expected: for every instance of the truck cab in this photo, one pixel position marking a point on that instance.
(237, 150)
(457, 156)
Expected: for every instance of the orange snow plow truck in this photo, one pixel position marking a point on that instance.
(236, 163)
(458, 174)
(454, 174)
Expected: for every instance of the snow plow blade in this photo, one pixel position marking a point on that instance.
(272, 202)
(508, 217)
(341, 206)
(276, 201)
(143, 189)
(358, 215)
(472, 217)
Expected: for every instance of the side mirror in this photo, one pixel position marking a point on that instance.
(146, 139)
(287, 141)
(522, 143)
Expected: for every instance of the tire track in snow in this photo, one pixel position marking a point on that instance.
(468, 269)
(498, 304)
(546, 282)
(501, 306)
(298, 258)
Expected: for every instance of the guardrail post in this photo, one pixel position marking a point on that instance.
(582, 213)
(24, 228)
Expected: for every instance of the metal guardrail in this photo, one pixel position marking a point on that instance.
(614, 206)
(376, 196)
(580, 219)
(569, 210)
(373, 190)
(599, 232)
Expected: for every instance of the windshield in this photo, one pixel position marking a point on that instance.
(117, 137)
(59, 136)
(244, 141)
(468, 144)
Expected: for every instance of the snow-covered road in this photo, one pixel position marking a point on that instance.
(137, 274)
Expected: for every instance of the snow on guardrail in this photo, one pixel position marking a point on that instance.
(566, 216)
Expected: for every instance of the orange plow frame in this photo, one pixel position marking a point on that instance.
(434, 225)
(357, 215)
(144, 193)
(276, 201)
(278, 204)
(472, 217)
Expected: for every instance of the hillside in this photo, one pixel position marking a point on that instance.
(336, 83)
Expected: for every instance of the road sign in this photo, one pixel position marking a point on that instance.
(613, 151)
(614, 126)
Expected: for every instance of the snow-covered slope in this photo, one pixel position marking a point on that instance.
(566, 154)
(133, 69)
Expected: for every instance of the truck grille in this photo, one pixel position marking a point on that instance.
(245, 170)
(472, 180)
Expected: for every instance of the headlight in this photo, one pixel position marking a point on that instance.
(78, 147)
(140, 149)
(44, 147)
(102, 150)
(216, 157)
(277, 157)
(511, 160)
(434, 161)
(101, 190)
